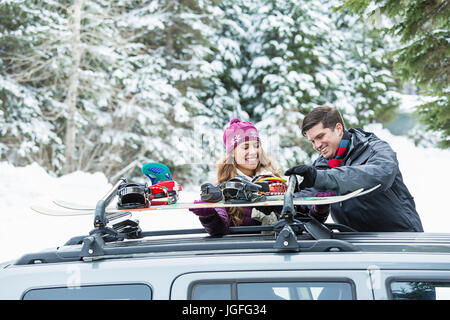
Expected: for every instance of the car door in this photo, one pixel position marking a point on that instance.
(274, 285)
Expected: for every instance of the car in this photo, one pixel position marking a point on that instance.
(298, 258)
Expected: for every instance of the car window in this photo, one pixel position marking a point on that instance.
(420, 290)
(294, 291)
(274, 291)
(213, 291)
(104, 292)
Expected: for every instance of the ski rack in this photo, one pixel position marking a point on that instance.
(286, 229)
(128, 229)
(100, 220)
(95, 247)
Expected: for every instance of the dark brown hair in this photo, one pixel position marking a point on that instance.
(327, 115)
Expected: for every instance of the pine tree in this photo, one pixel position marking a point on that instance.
(364, 86)
(28, 110)
(62, 62)
(160, 80)
(423, 29)
(286, 57)
(157, 111)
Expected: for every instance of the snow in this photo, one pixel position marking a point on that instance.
(24, 231)
(425, 173)
(410, 102)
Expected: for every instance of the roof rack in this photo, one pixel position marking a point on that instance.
(287, 228)
(316, 236)
(232, 231)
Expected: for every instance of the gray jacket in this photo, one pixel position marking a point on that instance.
(369, 161)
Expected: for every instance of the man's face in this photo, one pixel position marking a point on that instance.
(325, 140)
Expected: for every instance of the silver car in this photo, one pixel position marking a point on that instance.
(292, 260)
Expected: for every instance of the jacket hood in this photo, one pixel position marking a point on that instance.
(359, 135)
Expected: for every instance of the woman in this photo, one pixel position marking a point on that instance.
(244, 157)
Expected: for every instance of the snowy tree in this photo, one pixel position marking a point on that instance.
(28, 111)
(423, 29)
(120, 82)
(59, 62)
(159, 80)
(363, 85)
(73, 83)
(95, 85)
(282, 58)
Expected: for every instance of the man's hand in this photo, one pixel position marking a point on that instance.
(322, 208)
(308, 173)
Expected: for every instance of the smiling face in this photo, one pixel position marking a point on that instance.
(325, 140)
(247, 156)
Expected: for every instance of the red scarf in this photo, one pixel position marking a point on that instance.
(344, 145)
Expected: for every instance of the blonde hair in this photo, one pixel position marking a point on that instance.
(227, 169)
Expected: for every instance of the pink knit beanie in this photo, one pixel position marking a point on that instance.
(238, 132)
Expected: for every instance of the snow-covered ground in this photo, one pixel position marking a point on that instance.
(425, 171)
(22, 230)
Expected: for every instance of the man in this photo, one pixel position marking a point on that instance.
(355, 159)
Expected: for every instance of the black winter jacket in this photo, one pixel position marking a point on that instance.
(369, 161)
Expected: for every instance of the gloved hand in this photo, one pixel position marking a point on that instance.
(309, 174)
(202, 212)
(266, 220)
(321, 211)
(301, 210)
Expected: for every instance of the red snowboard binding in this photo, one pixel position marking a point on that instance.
(276, 185)
(164, 192)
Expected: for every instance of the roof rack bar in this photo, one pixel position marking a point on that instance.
(339, 227)
(250, 229)
(303, 245)
(172, 232)
(100, 219)
(90, 250)
(236, 230)
(288, 211)
(232, 230)
(317, 229)
(288, 227)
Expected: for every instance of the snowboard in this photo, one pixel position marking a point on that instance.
(271, 201)
(77, 206)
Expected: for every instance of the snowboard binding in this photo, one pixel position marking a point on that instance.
(164, 190)
(156, 172)
(241, 190)
(210, 193)
(133, 195)
(272, 185)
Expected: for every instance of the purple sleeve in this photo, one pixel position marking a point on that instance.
(215, 220)
(217, 224)
(321, 211)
